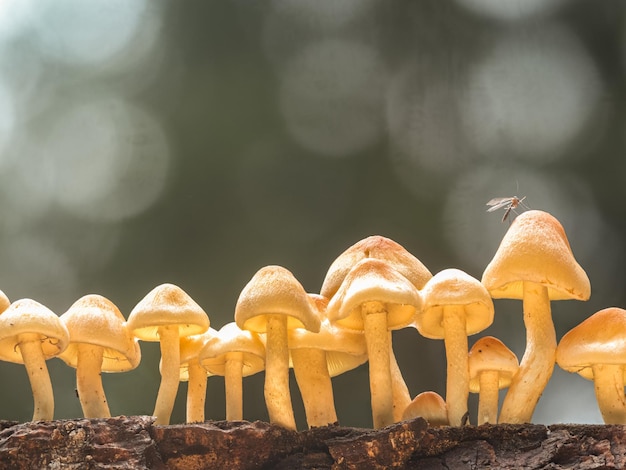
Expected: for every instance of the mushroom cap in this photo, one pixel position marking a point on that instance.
(230, 338)
(454, 287)
(376, 247)
(600, 339)
(536, 249)
(490, 354)
(430, 406)
(26, 316)
(94, 319)
(345, 349)
(4, 302)
(190, 347)
(273, 290)
(167, 305)
(374, 280)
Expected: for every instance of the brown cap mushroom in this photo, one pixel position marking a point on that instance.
(274, 302)
(596, 350)
(99, 342)
(534, 263)
(491, 367)
(455, 305)
(430, 406)
(375, 298)
(316, 357)
(30, 333)
(233, 353)
(166, 314)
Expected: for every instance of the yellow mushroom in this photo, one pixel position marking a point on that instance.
(535, 263)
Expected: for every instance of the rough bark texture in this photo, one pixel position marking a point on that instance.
(135, 442)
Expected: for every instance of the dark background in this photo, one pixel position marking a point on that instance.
(195, 142)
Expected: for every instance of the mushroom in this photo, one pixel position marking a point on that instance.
(316, 357)
(30, 333)
(377, 247)
(397, 257)
(491, 367)
(596, 350)
(430, 406)
(534, 263)
(166, 314)
(375, 298)
(192, 372)
(233, 353)
(4, 302)
(274, 302)
(455, 305)
(99, 342)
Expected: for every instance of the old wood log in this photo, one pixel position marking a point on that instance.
(136, 443)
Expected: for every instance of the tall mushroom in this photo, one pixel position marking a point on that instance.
(455, 305)
(274, 302)
(596, 350)
(375, 298)
(491, 367)
(166, 314)
(30, 333)
(398, 258)
(99, 342)
(535, 263)
(233, 353)
(317, 357)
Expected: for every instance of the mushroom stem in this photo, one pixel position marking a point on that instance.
(196, 392)
(608, 380)
(457, 378)
(89, 382)
(311, 370)
(539, 357)
(233, 368)
(488, 397)
(170, 373)
(401, 394)
(35, 363)
(378, 343)
(276, 389)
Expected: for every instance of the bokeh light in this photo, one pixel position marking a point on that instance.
(531, 96)
(511, 10)
(328, 84)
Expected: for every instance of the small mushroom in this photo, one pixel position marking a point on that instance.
(430, 406)
(375, 298)
(455, 305)
(317, 357)
(274, 302)
(535, 263)
(596, 350)
(491, 367)
(99, 342)
(192, 372)
(30, 333)
(166, 314)
(233, 353)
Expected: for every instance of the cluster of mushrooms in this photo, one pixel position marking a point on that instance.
(373, 287)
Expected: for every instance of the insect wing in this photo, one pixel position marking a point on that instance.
(498, 203)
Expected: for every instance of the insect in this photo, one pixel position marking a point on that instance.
(509, 202)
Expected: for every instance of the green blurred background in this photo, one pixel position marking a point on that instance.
(194, 142)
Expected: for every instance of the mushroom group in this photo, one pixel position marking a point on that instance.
(374, 287)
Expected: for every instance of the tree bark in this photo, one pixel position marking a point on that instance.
(137, 443)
